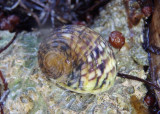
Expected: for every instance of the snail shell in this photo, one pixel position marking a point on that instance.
(78, 59)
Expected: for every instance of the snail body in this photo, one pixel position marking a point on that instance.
(78, 59)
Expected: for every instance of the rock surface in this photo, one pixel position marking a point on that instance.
(32, 93)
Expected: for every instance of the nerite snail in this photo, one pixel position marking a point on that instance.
(79, 59)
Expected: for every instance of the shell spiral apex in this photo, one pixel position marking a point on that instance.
(79, 59)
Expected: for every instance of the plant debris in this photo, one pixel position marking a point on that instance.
(3, 93)
(5, 47)
(39, 13)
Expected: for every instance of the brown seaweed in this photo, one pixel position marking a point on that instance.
(154, 39)
(5, 47)
(138, 105)
(4, 94)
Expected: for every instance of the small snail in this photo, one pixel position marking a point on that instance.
(78, 59)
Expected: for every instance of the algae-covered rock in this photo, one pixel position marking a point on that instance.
(31, 92)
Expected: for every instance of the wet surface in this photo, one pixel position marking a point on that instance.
(31, 92)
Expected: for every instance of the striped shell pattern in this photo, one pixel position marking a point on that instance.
(79, 59)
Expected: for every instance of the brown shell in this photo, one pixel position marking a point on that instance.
(79, 59)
